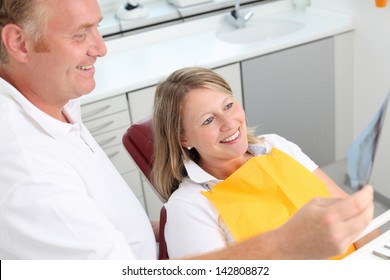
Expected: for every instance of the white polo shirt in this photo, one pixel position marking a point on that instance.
(60, 196)
(193, 224)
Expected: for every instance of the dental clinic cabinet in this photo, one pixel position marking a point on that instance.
(301, 93)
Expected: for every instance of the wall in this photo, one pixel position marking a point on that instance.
(371, 55)
(371, 65)
(110, 4)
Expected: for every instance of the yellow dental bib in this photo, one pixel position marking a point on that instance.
(264, 193)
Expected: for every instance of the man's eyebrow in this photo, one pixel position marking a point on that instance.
(86, 25)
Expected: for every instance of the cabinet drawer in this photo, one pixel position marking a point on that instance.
(120, 158)
(110, 139)
(109, 123)
(103, 108)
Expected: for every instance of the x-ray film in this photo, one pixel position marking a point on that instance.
(361, 153)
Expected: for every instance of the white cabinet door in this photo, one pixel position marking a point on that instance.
(232, 74)
(292, 93)
(141, 103)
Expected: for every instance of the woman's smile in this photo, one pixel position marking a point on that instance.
(232, 137)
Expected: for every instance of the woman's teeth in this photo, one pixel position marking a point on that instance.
(85, 67)
(231, 138)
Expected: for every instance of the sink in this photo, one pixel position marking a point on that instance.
(258, 30)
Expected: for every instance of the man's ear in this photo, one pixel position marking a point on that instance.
(14, 40)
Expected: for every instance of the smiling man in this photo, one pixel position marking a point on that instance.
(60, 196)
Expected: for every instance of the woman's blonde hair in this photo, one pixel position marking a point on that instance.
(168, 168)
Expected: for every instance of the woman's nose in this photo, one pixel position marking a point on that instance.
(226, 123)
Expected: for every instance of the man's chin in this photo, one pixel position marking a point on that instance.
(89, 88)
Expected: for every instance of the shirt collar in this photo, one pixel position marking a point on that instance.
(52, 126)
(198, 175)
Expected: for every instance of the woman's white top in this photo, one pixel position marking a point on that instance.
(60, 195)
(193, 224)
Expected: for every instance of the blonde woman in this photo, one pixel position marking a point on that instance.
(201, 140)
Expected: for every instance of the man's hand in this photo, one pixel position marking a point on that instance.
(326, 227)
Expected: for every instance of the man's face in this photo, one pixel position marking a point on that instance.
(62, 66)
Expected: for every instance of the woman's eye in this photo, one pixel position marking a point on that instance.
(230, 105)
(208, 121)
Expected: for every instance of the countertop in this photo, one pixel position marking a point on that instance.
(377, 245)
(158, 11)
(141, 60)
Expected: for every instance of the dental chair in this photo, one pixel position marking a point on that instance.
(138, 141)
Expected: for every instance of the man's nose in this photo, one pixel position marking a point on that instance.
(98, 47)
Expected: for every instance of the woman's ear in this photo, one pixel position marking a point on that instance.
(185, 143)
(14, 40)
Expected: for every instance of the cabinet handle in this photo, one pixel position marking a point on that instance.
(101, 127)
(95, 112)
(107, 141)
(110, 156)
